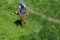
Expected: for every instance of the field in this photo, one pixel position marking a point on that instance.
(36, 26)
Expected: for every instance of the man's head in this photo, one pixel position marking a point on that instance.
(22, 4)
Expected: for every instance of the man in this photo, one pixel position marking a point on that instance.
(22, 11)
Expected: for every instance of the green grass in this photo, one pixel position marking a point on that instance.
(36, 28)
(50, 8)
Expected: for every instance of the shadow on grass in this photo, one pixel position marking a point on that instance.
(18, 22)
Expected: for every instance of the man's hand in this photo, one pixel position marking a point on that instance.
(16, 12)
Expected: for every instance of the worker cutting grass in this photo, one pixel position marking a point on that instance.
(22, 12)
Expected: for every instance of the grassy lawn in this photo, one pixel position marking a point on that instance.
(36, 27)
(50, 8)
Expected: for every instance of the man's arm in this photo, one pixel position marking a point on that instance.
(19, 8)
(26, 9)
